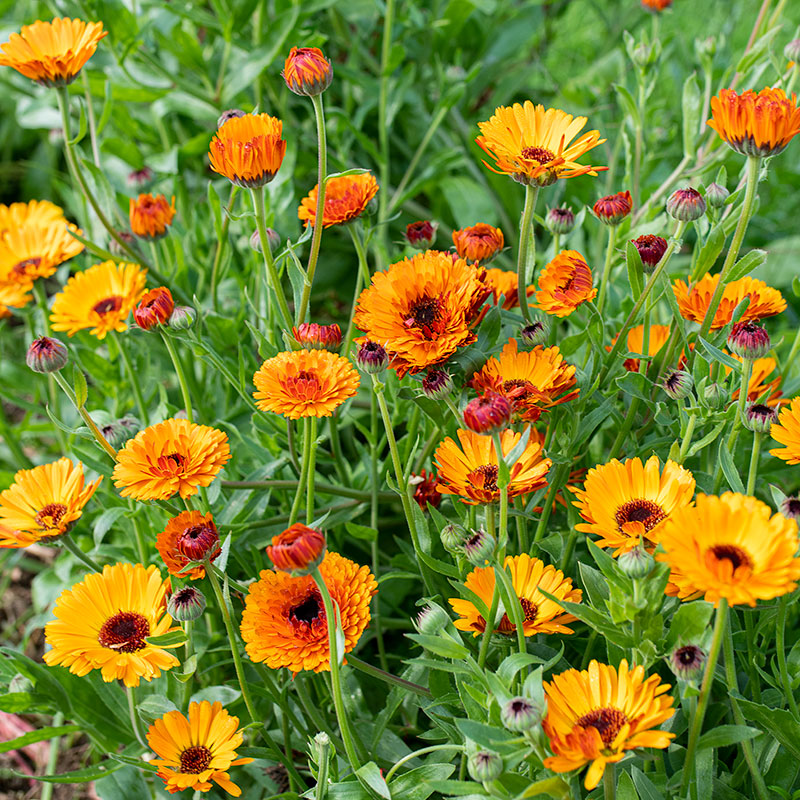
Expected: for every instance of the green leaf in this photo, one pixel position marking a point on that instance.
(729, 468)
(440, 645)
(416, 783)
(484, 735)
(629, 104)
(719, 355)
(635, 270)
(748, 263)
(709, 252)
(724, 735)
(371, 775)
(85, 775)
(79, 385)
(691, 104)
(775, 721)
(171, 639)
(555, 787)
(40, 735)
(625, 788)
(644, 786)
(363, 532)
(689, 624)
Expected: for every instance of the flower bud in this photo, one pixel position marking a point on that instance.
(713, 396)
(759, 418)
(425, 490)
(678, 384)
(688, 662)
(479, 547)
(613, 208)
(792, 51)
(432, 619)
(479, 242)
(130, 425)
(560, 220)
(307, 72)
(139, 178)
(686, 205)
(312, 336)
(155, 308)
(705, 48)
(437, 384)
(636, 563)
(273, 240)
(46, 355)
(421, 234)
(372, 358)
(114, 434)
(487, 414)
(199, 542)
(790, 508)
(749, 340)
(485, 766)
(231, 113)
(716, 195)
(186, 605)
(182, 318)
(453, 538)
(520, 715)
(536, 333)
(656, 5)
(116, 248)
(298, 550)
(651, 250)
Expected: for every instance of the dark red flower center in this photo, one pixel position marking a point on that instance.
(124, 632)
(21, 269)
(425, 314)
(50, 516)
(606, 721)
(730, 552)
(109, 304)
(645, 511)
(488, 472)
(540, 154)
(195, 759)
(308, 612)
(517, 389)
(688, 655)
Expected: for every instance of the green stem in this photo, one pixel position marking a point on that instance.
(601, 297)
(373, 520)
(780, 649)
(52, 759)
(336, 448)
(187, 654)
(502, 528)
(526, 258)
(687, 437)
(322, 488)
(753, 470)
(322, 775)
(301, 484)
(137, 731)
(73, 548)
(132, 377)
(489, 629)
(383, 127)
(637, 151)
(312, 434)
(549, 500)
(187, 400)
(387, 677)
(609, 783)
(434, 748)
(41, 301)
(741, 405)
(223, 239)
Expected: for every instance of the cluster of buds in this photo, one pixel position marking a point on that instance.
(312, 336)
(46, 355)
(421, 234)
(299, 550)
(488, 414)
(686, 205)
(477, 546)
(613, 208)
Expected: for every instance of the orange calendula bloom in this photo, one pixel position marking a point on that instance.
(248, 150)
(36, 213)
(564, 284)
(659, 334)
(730, 547)
(469, 471)
(786, 431)
(656, 5)
(52, 53)
(155, 308)
(43, 503)
(31, 251)
(150, 216)
(625, 502)
(346, 199)
(297, 550)
(528, 576)
(13, 295)
(535, 145)
(307, 72)
(284, 622)
(503, 283)
(755, 123)
(305, 383)
(693, 303)
(532, 381)
(191, 536)
(104, 622)
(174, 456)
(480, 242)
(99, 298)
(422, 309)
(594, 716)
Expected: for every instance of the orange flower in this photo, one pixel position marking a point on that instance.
(503, 283)
(31, 251)
(346, 198)
(13, 295)
(52, 53)
(693, 303)
(656, 5)
(755, 124)
(480, 242)
(248, 150)
(151, 216)
(307, 72)
(613, 208)
(188, 537)
(564, 284)
(304, 383)
(37, 213)
(155, 308)
(659, 334)
(297, 550)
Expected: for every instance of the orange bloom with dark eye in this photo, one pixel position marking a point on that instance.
(693, 303)
(564, 284)
(155, 308)
(298, 550)
(151, 216)
(422, 309)
(346, 199)
(659, 334)
(534, 145)
(307, 72)
(188, 537)
(755, 124)
(248, 150)
(305, 383)
(479, 242)
(31, 251)
(532, 381)
(52, 53)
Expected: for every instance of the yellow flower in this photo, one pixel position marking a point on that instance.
(31, 251)
(787, 431)
(36, 213)
(13, 295)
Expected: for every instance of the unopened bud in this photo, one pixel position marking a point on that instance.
(479, 547)
(453, 538)
(688, 662)
(651, 250)
(116, 248)
(560, 220)
(536, 333)
(520, 715)
(792, 51)
(273, 240)
(46, 355)
(140, 178)
(432, 619)
(485, 766)
(678, 384)
(716, 195)
(487, 414)
(186, 605)
(437, 384)
(759, 418)
(790, 508)
(636, 563)
(613, 208)
(749, 340)
(372, 358)
(686, 205)
(231, 113)
(421, 234)
(713, 396)
(307, 72)
(182, 318)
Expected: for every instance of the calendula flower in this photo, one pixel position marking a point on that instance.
(469, 471)
(304, 383)
(150, 216)
(99, 298)
(625, 502)
(425, 490)
(595, 716)
(656, 5)
(248, 150)
(564, 284)
(307, 72)
(43, 503)
(52, 53)
(36, 213)
(284, 622)
(693, 303)
(480, 242)
(659, 334)
(174, 456)
(155, 308)
(313, 336)
(755, 124)
(503, 283)
(298, 550)
(528, 576)
(346, 198)
(730, 547)
(613, 208)
(422, 309)
(31, 251)
(103, 623)
(534, 145)
(191, 536)
(195, 752)
(13, 295)
(787, 433)
(531, 380)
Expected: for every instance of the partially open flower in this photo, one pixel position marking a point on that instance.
(421, 234)
(688, 662)
(298, 550)
(560, 220)
(686, 205)
(613, 208)
(651, 250)
(151, 216)
(480, 242)
(749, 340)
(313, 336)
(191, 536)
(372, 358)
(425, 489)
(760, 418)
(346, 198)
(487, 414)
(248, 150)
(155, 308)
(46, 355)
(186, 605)
(437, 384)
(564, 284)
(307, 72)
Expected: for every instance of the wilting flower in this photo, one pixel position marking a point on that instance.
(43, 503)
(52, 53)
(730, 547)
(248, 150)
(155, 308)
(284, 622)
(503, 283)
(564, 284)
(46, 355)
(151, 216)
(421, 234)
(422, 309)
(191, 536)
(174, 456)
(346, 199)
(613, 208)
(33, 251)
(749, 340)
(651, 250)
(469, 471)
(488, 414)
(103, 623)
(371, 357)
(755, 124)
(625, 502)
(298, 550)
(595, 716)
(534, 145)
(688, 662)
(99, 298)
(659, 334)
(686, 205)
(193, 752)
(528, 576)
(532, 381)
(312, 336)
(307, 72)
(480, 242)
(560, 220)
(787, 432)
(304, 383)
(693, 303)
(425, 490)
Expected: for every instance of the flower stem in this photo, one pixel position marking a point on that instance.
(687, 437)
(132, 377)
(187, 654)
(609, 783)
(601, 298)
(526, 258)
(434, 748)
(753, 470)
(52, 758)
(383, 126)
(489, 629)
(223, 238)
(312, 449)
(73, 548)
(301, 484)
(387, 677)
(549, 500)
(90, 118)
(187, 400)
(137, 731)
(502, 527)
(780, 648)
(373, 520)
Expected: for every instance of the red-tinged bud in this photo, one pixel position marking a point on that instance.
(231, 113)
(535, 334)
(487, 414)
(273, 240)
(372, 358)
(140, 178)
(155, 308)
(613, 208)
(421, 234)
(298, 550)
(479, 547)
(749, 340)
(686, 205)
(790, 508)
(651, 250)
(678, 384)
(425, 490)
(716, 195)
(150, 216)
(307, 72)
(46, 355)
(200, 541)
(759, 418)
(312, 336)
(437, 384)
(186, 605)
(688, 662)
(479, 242)
(560, 220)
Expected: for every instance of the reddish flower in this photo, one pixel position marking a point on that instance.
(421, 234)
(651, 249)
(749, 340)
(313, 336)
(479, 242)
(307, 72)
(686, 205)
(489, 413)
(613, 208)
(425, 490)
(298, 550)
(191, 536)
(155, 308)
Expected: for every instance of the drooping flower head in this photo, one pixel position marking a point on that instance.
(346, 199)
(787, 432)
(480, 242)
(103, 623)
(33, 251)
(151, 216)
(528, 576)
(248, 150)
(191, 536)
(174, 456)
(564, 284)
(307, 72)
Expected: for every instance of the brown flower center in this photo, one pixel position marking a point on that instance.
(688, 655)
(730, 552)
(540, 154)
(50, 516)
(308, 612)
(529, 608)
(606, 721)
(644, 511)
(425, 314)
(124, 632)
(517, 389)
(21, 269)
(489, 474)
(109, 304)
(195, 759)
